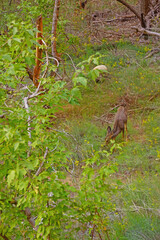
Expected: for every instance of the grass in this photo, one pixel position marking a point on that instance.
(135, 79)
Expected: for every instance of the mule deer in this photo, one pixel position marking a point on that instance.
(120, 124)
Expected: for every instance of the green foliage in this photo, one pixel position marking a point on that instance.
(86, 71)
(72, 184)
(34, 158)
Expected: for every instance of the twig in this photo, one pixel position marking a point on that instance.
(113, 108)
(116, 19)
(93, 231)
(96, 212)
(26, 87)
(154, 96)
(71, 43)
(103, 120)
(152, 52)
(40, 167)
(58, 75)
(55, 60)
(71, 61)
(100, 235)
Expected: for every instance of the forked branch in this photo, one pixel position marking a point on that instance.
(144, 31)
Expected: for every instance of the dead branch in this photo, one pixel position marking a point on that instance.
(26, 105)
(71, 61)
(125, 18)
(102, 120)
(144, 31)
(152, 52)
(30, 219)
(154, 96)
(130, 8)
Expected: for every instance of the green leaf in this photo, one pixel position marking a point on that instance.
(7, 57)
(22, 172)
(81, 80)
(76, 92)
(35, 143)
(42, 176)
(93, 74)
(9, 42)
(31, 32)
(23, 185)
(17, 40)
(11, 177)
(11, 70)
(96, 61)
(16, 145)
(15, 30)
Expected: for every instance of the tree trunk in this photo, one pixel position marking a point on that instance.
(37, 68)
(144, 11)
(132, 9)
(54, 29)
(145, 7)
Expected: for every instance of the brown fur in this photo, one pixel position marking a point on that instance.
(120, 124)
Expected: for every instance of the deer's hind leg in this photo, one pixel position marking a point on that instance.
(122, 133)
(125, 126)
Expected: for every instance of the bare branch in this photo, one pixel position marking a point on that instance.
(40, 167)
(130, 8)
(71, 61)
(29, 119)
(144, 31)
(26, 105)
(30, 219)
(55, 60)
(152, 52)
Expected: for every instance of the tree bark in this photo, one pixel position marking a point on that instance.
(130, 8)
(145, 7)
(37, 68)
(147, 32)
(54, 30)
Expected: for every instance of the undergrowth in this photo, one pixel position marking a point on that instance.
(135, 79)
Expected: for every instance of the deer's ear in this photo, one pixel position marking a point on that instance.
(108, 129)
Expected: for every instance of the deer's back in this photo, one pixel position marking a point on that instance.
(120, 118)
